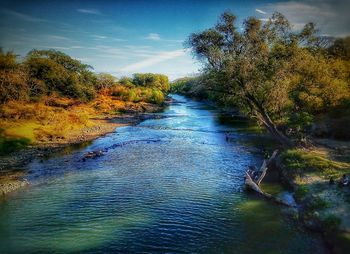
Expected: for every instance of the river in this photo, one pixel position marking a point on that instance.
(168, 184)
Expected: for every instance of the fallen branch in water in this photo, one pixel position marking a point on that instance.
(254, 185)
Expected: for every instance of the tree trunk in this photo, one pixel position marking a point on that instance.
(266, 120)
(272, 128)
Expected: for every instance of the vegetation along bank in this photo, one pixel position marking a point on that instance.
(49, 101)
(295, 84)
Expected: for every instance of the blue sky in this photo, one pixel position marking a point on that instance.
(123, 37)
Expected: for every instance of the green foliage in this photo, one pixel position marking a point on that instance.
(270, 72)
(156, 97)
(61, 59)
(301, 192)
(126, 81)
(298, 161)
(50, 72)
(340, 48)
(136, 94)
(60, 73)
(8, 60)
(300, 121)
(105, 81)
(11, 144)
(331, 223)
(152, 80)
(316, 203)
(183, 85)
(13, 79)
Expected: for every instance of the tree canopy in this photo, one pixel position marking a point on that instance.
(270, 71)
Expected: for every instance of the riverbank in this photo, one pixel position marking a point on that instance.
(100, 123)
(305, 174)
(323, 207)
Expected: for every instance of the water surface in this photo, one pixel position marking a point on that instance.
(171, 184)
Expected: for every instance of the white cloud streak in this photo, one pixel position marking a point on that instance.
(153, 37)
(89, 11)
(161, 57)
(22, 16)
(260, 11)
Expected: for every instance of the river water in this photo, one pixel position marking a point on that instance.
(170, 184)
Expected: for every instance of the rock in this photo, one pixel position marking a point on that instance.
(93, 155)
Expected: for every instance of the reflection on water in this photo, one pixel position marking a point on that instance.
(183, 193)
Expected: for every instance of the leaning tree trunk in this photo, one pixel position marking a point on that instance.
(264, 117)
(272, 128)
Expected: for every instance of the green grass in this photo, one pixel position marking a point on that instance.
(298, 161)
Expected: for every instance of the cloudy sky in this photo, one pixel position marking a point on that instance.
(125, 36)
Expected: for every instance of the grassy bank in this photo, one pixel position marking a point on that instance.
(324, 207)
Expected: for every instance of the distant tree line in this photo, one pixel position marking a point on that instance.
(281, 78)
(47, 72)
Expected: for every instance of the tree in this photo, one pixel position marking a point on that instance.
(341, 48)
(252, 66)
(13, 79)
(105, 80)
(152, 80)
(60, 73)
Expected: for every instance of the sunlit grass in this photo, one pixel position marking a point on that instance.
(299, 161)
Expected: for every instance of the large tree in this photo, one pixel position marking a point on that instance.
(252, 66)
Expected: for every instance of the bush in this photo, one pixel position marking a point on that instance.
(331, 223)
(11, 144)
(301, 192)
(155, 97)
(317, 203)
(13, 86)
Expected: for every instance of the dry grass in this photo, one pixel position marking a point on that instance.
(54, 119)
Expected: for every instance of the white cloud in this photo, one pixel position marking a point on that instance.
(57, 37)
(153, 37)
(260, 11)
(22, 16)
(99, 37)
(264, 20)
(330, 16)
(161, 57)
(89, 11)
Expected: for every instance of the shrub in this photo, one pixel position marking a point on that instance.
(331, 223)
(301, 192)
(155, 97)
(11, 144)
